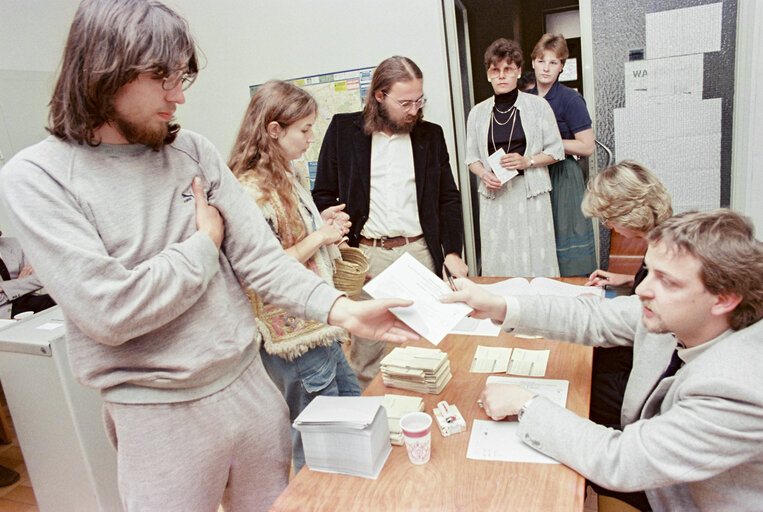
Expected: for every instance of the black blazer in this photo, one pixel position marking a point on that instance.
(344, 176)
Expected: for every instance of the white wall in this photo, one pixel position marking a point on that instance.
(244, 42)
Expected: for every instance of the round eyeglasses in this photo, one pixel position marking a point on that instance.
(406, 104)
(181, 76)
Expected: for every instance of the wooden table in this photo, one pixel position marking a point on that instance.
(450, 481)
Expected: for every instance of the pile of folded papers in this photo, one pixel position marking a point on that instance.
(398, 406)
(423, 370)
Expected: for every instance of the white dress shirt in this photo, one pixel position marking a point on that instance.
(393, 209)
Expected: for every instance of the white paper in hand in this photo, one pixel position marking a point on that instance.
(406, 278)
(500, 172)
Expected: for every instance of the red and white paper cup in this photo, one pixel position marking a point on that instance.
(417, 432)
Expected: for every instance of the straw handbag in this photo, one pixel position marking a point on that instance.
(350, 272)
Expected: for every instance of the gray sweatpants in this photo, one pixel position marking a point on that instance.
(232, 447)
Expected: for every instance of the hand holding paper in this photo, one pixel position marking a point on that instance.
(409, 279)
(372, 319)
(503, 174)
(484, 303)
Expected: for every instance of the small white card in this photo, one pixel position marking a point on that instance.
(490, 359)
(532, 363)
(500, 172)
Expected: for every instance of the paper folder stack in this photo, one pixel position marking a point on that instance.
(398, 406)
(345, 434)
(423, 370)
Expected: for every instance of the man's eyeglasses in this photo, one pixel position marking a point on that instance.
(406, 104)
(172, 80)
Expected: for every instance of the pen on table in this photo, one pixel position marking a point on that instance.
(450, 277)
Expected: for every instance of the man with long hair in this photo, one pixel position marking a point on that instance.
(692, 418)
(391, 169)
(145, 238)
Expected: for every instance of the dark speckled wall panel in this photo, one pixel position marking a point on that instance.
(619, 26)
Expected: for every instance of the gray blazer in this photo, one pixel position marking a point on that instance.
(693, 441)
(10, 251)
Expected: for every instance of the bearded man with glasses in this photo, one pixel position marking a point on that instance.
(392, 171)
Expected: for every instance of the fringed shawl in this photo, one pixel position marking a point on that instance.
(284, 334)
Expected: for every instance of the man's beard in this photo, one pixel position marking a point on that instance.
(397, 126)
(140, 134)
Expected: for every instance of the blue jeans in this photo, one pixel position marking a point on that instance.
(319, 371)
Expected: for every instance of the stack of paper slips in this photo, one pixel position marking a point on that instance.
(398, 406)
(423, 370)
(345, 434)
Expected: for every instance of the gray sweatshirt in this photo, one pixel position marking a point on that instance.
(155, 313)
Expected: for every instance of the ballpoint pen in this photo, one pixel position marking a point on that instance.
(450, 277)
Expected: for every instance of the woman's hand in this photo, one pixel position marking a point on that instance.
(330, 234)
(603, 278)
(490, 180)
(339, 219)
(515, 161)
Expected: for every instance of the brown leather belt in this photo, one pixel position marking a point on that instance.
(389, 243)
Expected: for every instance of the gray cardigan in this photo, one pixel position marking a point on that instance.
(693, 441)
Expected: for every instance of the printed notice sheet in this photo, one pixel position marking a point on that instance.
(406, 278)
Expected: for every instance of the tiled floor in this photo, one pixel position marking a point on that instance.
(18, 497)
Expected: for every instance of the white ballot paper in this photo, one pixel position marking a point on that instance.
(553, 389)
(500, 171)
(490, 359)
(528, 362)
(476, 327)
(498, 440)
(502, 360)
(406, 278)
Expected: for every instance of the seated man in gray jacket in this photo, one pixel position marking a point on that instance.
(19, 282)
(692, 417)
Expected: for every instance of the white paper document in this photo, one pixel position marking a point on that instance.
(541, 286)
(553, 389)
(503, 174)
(528, 362)
(490, 359)
(498, 440)
(406, 278)
(476, 327)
